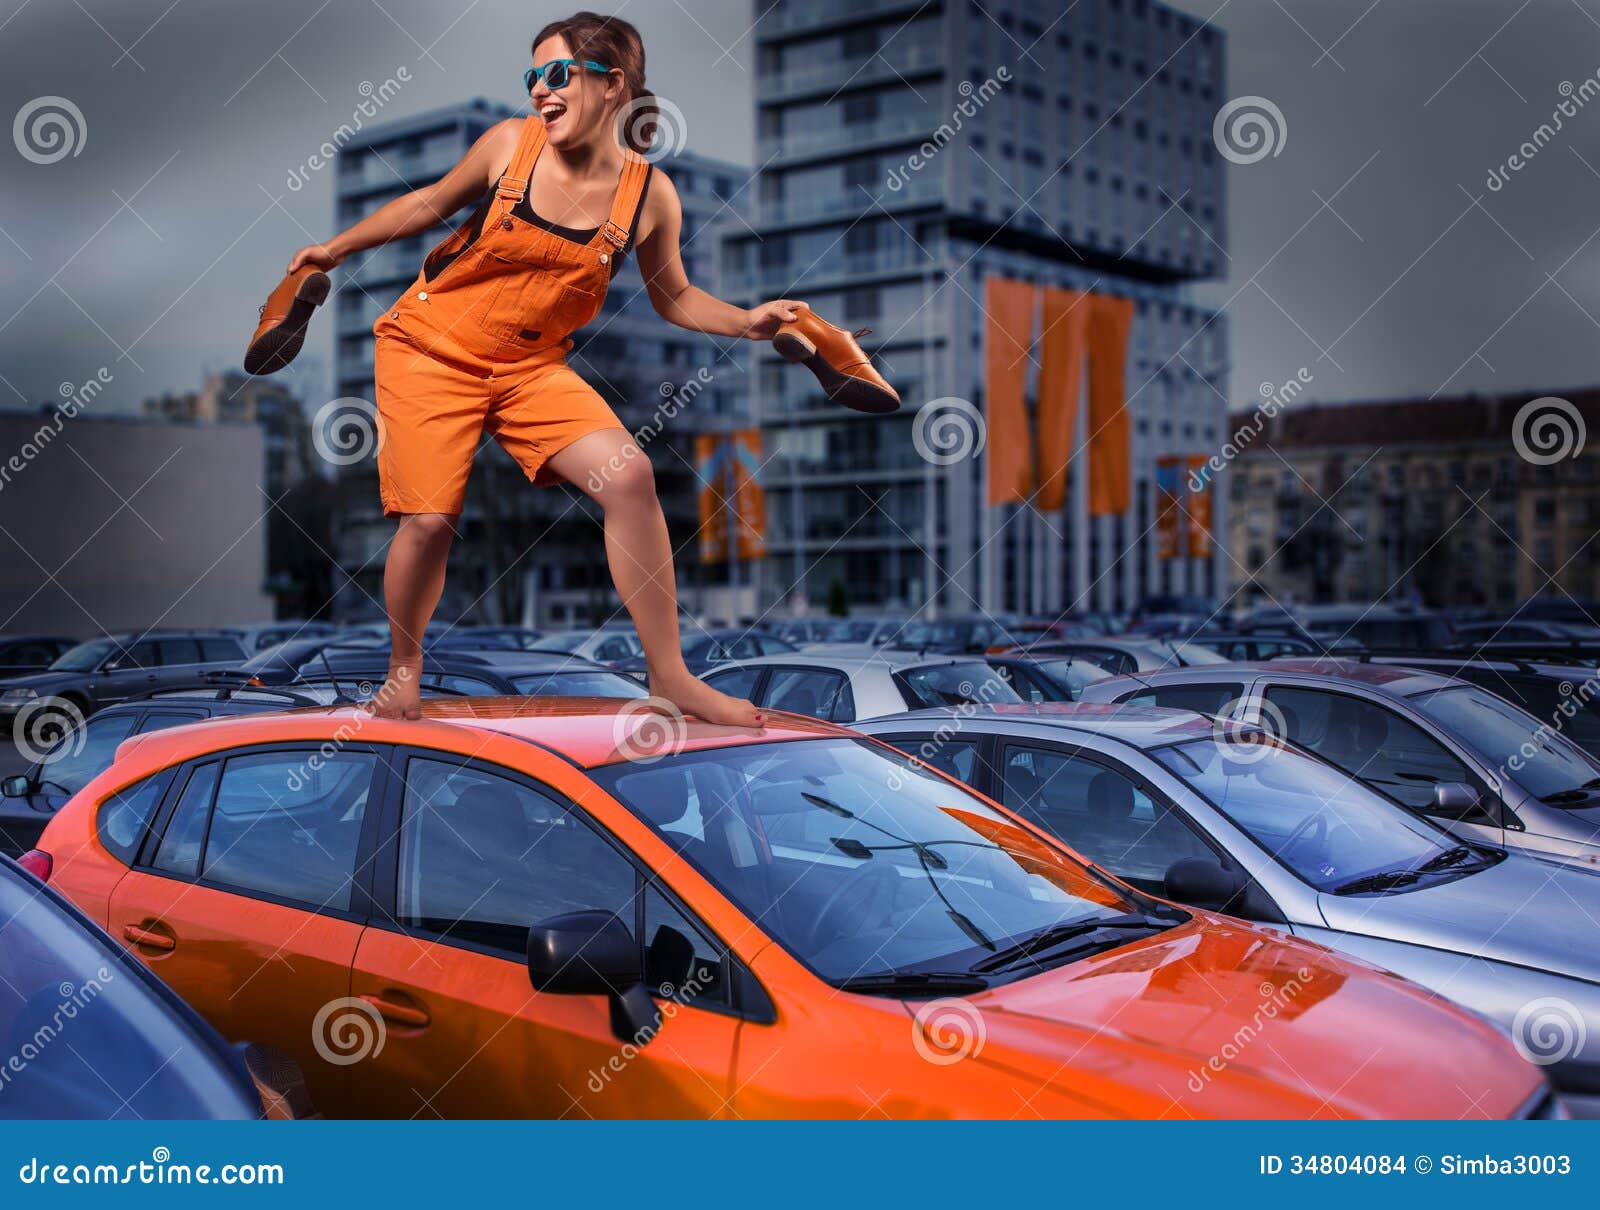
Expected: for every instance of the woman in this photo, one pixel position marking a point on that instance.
(480, 341)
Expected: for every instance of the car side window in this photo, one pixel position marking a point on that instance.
(160, 720)
(218, 649)
(958, 758)
(739, 682)
(483, 857)
(1370, 742)
(83, 754)
(288, 824)
(141, 655)
(181, 843)
(124, 817)
(808, 691)
(612, 649)
(1027, 688)
(680, 962)
(1101, 812)
(1203, 698)
(178, 651)
(462, 684)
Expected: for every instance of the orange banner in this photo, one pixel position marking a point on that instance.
(1066, 327)
(1008, 336)
(1199, 507)
(1168, 491)
(729, 469)
(1110, 451)
(748, 496)
(709, 463)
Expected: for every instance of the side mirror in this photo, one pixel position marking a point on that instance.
(18, 785)
(1206, 884)
(594, 954)
(1455, 800)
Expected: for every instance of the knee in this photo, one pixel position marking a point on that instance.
(430, 529)
(629, 484)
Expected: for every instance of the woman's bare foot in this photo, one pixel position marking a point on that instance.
(693, 696)
(400, 695)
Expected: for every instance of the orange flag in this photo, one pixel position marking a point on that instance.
(1199, 509)
(1110, 453)
(1168, 490)
(1066, 327)
(710, 468)
(749, 497)
(1008, 336)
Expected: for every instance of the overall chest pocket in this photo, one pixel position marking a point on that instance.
(535, 299)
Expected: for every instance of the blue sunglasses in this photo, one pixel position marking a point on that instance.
(558, 72)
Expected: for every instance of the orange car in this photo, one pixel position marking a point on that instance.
(549, 908)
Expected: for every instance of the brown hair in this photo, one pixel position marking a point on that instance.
(615, 43)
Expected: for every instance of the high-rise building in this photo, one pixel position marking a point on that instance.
(535, 555)
(910, 149)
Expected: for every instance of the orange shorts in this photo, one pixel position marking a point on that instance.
(432, 413)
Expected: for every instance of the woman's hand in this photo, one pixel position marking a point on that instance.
(762, 323)
(319, 255)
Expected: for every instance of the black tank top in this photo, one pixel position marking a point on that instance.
(525, 212)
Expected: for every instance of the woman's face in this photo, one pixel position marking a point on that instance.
(577, 113)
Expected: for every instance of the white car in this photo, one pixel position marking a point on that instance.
(608, 645)
(845, 688)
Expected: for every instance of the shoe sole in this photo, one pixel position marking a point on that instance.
(853, 393)
(277, 347)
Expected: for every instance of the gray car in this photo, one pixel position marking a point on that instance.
(1447, 749)
(1227, 818)
(844, 688)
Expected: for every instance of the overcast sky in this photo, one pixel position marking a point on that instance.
(1370, 250)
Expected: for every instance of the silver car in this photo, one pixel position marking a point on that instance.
(1447, 749)
(1230, 819)
(844, 688)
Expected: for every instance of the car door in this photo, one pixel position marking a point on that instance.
(180, 661)
(480, 853)
(135, 670)
(245, 898)
(1377, 745)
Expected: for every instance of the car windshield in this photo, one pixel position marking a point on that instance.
(1073, 674)
(1191, 653)
(85, 657)
(86, 1036)
(1327, 828)
(1529, 751)
(966, 683)
(859, 861)
(582, 683)
(561, 642)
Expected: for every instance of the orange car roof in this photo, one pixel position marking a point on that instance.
(587, 731)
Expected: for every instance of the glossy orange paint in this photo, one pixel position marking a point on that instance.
(1214, 1018)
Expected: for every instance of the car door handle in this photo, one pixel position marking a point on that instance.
(156, 938)
(400, 1014)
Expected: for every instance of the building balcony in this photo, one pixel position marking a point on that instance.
(813, 16)
(824, 79)
(830, 142)
(851, 203)
(392, 170)
(833, 271)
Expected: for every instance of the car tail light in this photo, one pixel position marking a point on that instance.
(38, 863)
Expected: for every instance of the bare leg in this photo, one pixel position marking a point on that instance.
(413, 578)
(616, 474)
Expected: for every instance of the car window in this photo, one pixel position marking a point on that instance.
(669, 936)
(771, 645)
(1206, 698)
(1368, 741)
(738, 682)
(810, 691)
(178, 651)
(483, 857)
(222, 648)
(141, 655)
(185, 834)
(1536, 756)
(582, 683)
(288, 824)
(1027, 688)
(1099, 811)
(612, 649)
(958, 758)
(967, 683)
(124, 817)
(461, 684)
(83, 753)
(160, 720)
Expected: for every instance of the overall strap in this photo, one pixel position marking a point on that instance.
(630, 189)
(513, 183)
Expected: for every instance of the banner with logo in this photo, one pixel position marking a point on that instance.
(1167, 489)
(710, 460)
(1198, 507)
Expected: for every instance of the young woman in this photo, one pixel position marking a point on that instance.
(480, 339)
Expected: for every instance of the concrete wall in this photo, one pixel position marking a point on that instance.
(113, 524)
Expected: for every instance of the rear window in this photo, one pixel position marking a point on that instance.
(1206, 699)
(966, 683)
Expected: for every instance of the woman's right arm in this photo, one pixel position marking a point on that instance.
(414, 212)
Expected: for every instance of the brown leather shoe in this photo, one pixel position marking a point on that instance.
(283, 320)
(833, 355)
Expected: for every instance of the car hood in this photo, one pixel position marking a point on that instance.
(1218, 1018)
(1510, 912)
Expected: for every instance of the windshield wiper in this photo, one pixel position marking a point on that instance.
(1059, 934)
(1384, 880)
(1449, 857)
(927, 983)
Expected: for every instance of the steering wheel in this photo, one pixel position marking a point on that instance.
(857, 893)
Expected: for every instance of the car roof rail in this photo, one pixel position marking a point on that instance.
(220, 693)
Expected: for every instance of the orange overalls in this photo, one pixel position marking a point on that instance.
(480, 339)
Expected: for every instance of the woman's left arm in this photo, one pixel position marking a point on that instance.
(675, 298)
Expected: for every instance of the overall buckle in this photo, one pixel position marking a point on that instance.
(616, 234)
(511, 188)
